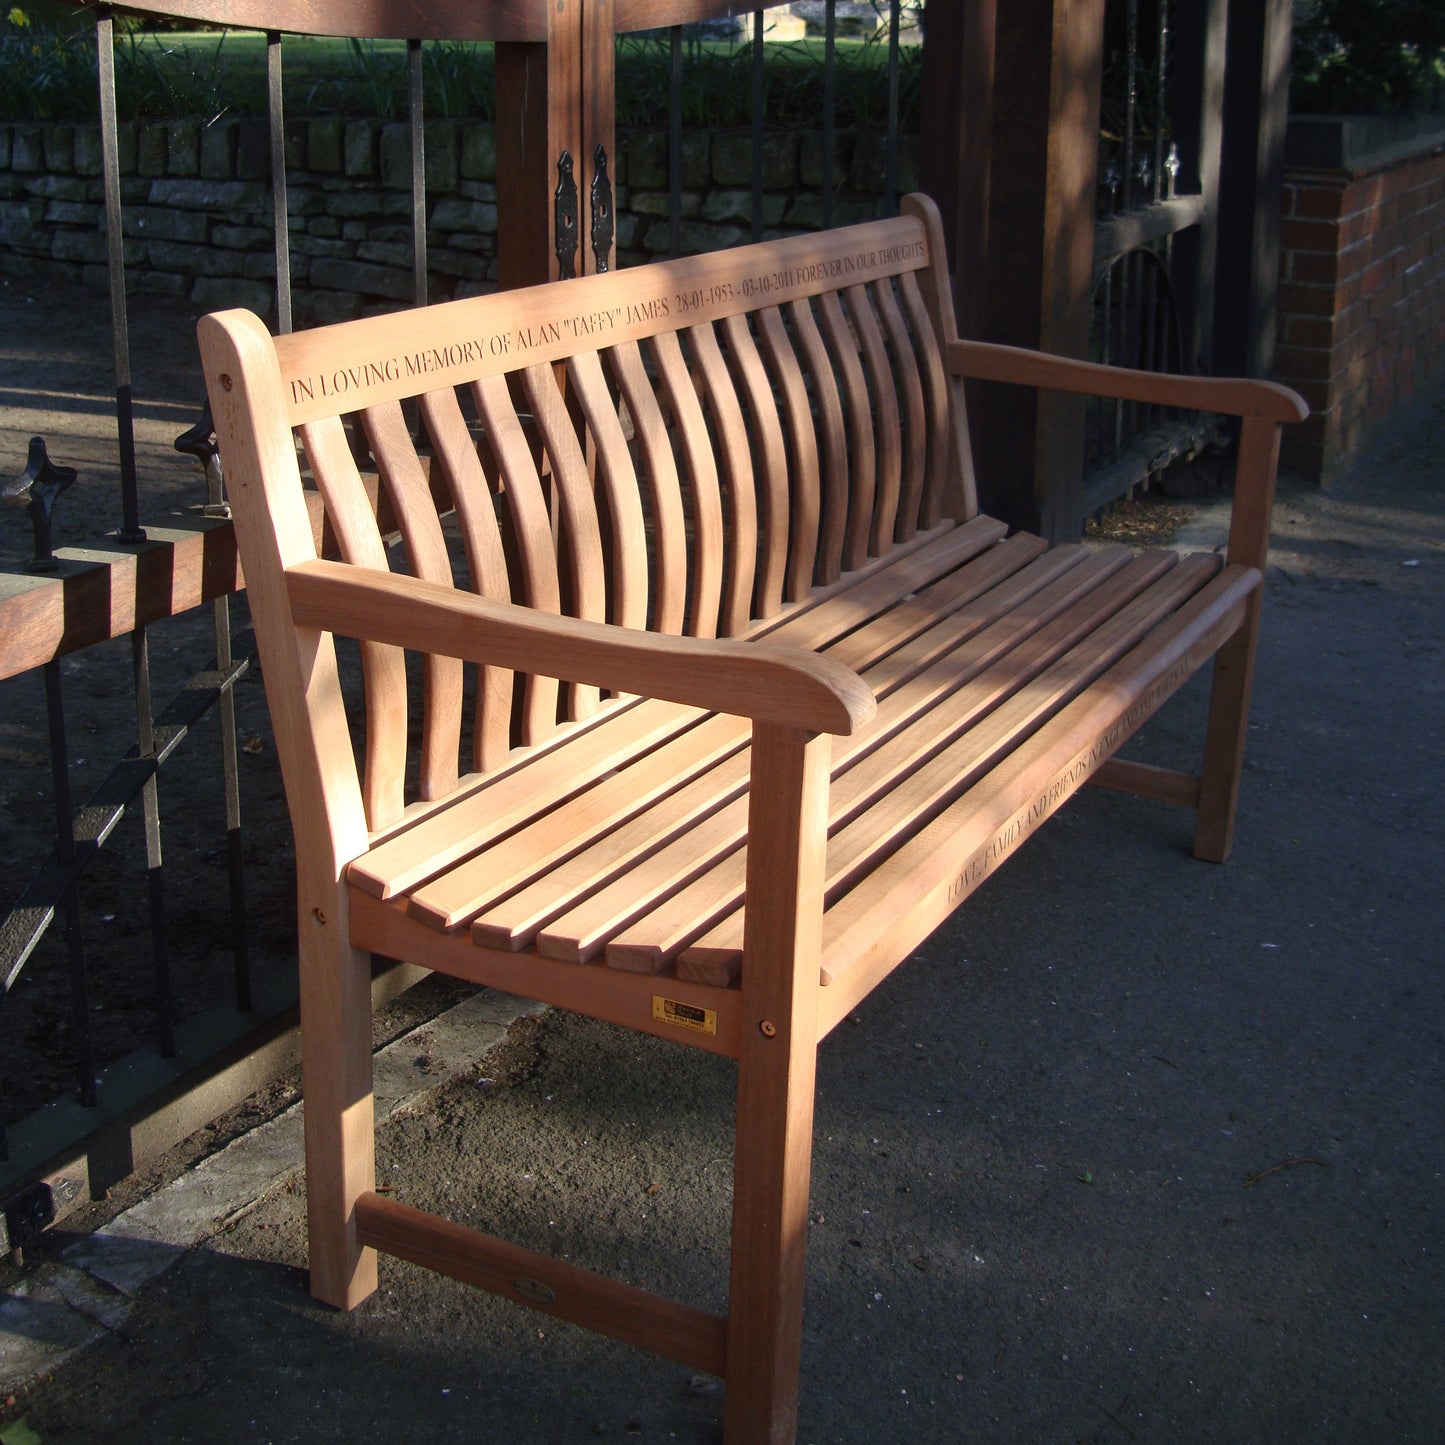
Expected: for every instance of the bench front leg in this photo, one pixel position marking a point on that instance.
(787, 839)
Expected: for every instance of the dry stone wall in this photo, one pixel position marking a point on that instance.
(197, 209)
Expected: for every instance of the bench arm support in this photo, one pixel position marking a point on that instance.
(1230, 396)
(787, 687)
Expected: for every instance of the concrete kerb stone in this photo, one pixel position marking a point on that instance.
(88, 1292)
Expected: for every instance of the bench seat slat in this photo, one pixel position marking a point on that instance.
(886, 915)
(462, 891)
(879, 804)
(469, 885)
(905, 777)
(418, 851)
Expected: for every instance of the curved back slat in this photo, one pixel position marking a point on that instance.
(532, 531)
(862, 447)
(804, 508)
(730, 433)
(696, 448)
(770, 465)
(935, 400)
(349, 511)
(578, 538)
(456, 455)
(426, 549)
(664, 492)
(909, 390)
(628, 589)
(887, 426)
(833, 459)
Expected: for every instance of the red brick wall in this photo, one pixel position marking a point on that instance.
(1361, 302)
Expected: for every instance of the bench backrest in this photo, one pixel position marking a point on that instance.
(687, 446)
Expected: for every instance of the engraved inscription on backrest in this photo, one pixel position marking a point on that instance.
(686, 447)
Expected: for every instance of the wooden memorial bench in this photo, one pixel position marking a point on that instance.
(758, 698)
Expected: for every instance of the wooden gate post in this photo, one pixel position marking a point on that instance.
(554, 112)
(957, 129)
(1256, 106)
(1037, 278)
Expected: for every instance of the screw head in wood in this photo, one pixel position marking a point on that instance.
(768, 1028)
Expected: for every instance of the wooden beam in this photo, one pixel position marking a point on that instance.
(1040, 252)
(111, 588)
(1256, 100)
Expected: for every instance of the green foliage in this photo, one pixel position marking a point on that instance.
(45, 73)
(1368, 57)
(717, 82)
(48, 73)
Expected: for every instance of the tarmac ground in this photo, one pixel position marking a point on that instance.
(1137, 1148)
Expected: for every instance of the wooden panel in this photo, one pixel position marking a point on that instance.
(933, 734)
(628, 575)
(532, 528)
(770, 465)
(708, 550)
(471, 492)
(357, 364)
(635, 1316)
(909, 390)
(669, 536)
(937, 401)
(887, 427)
(578, 535)
(802, 481)
(730, 432)
(960, 488)
(515, 922)
(351, 520)
(411, 499)
(831, 437)
(862, 452)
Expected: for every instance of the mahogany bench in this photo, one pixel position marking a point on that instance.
(758, 697)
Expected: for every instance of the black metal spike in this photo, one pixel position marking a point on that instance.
(565, 212)
(36, 489)
(602, 222)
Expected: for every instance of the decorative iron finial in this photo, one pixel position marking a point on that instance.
(36, 489)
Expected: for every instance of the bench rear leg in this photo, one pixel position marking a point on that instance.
(1224, 741)
(336, 1084)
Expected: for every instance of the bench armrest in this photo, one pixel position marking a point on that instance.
(788, 687)
(987, 361)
